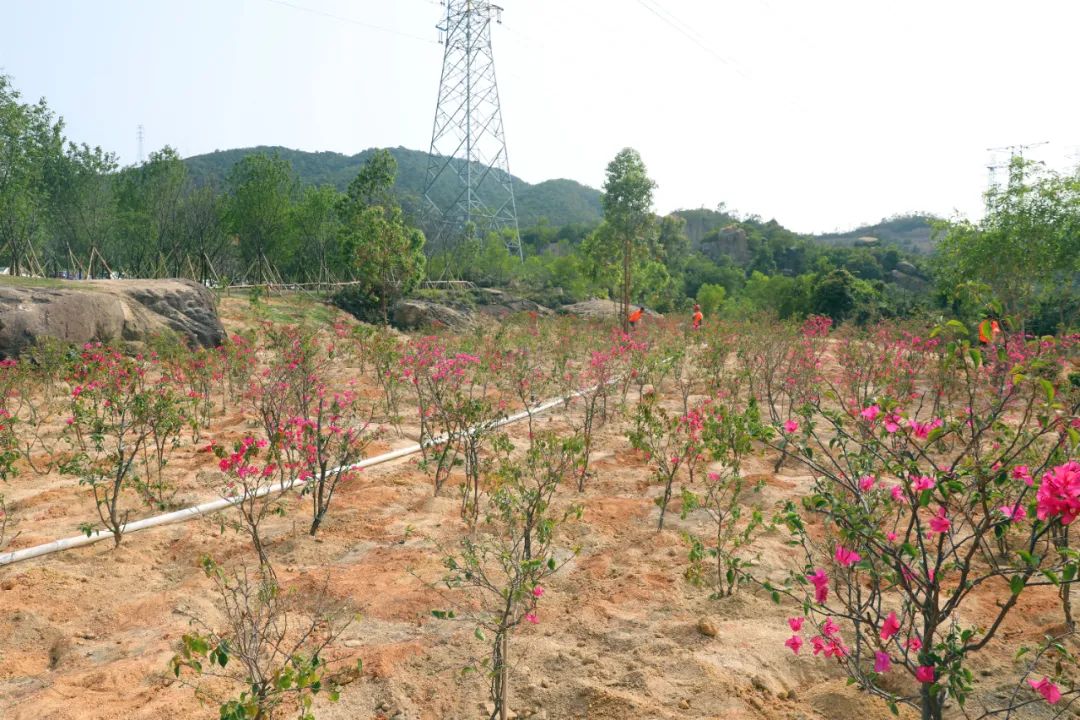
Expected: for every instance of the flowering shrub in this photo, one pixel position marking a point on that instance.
(922, 514)
(247, 480)
(119, 414)
(672, 446)
(504, 565)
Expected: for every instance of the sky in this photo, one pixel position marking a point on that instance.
(823, 115)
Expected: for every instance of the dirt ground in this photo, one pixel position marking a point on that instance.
(88, 634)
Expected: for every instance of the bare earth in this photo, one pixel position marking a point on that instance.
(88, 634)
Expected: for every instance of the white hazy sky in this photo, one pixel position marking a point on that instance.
(821, 114)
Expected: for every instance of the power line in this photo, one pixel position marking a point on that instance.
(361, 23)
(689, 33)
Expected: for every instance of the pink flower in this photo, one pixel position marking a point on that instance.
(538, 591)
(830, 628)
(897, 493)
(881, 662)
(846, 557)
(820, 581)
(890, 627)
(818, 643)
(871, 413)
(1059, 493)
(925, 673)
(791, 426)
(914, 644)
(892, 422)
(939, 523)
(866, 482)
(890, 536)
(795, 623)
(794, 642)
(836, 649)
(531, 617)
(1047, 689)
(1015, 513)
(1022, 472)
(922, 482)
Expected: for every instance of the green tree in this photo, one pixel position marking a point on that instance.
(317, 229)
(1027, 244)
(83, 206)
(711, 297)
(259, 208)
(150, 198)
(387, 255)
(627, 201)
(834, 294)
(30, 140)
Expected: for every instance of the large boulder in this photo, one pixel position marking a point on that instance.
(414, 314)
(597, 309)
(105, 311)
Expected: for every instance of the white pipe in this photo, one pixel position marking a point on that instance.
(222, 503)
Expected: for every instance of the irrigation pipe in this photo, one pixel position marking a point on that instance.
(190, 513)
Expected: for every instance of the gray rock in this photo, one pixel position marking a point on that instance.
(415, 314)
(105, 311)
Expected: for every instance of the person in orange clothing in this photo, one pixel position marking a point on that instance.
(988, 331)
(635, 316)
(698, 317)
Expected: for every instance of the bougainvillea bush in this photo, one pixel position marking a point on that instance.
(950, 488)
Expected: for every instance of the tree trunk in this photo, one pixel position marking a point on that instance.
(627, 251)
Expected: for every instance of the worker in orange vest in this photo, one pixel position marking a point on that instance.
(635, 316)
(698, 317)
(988, 331)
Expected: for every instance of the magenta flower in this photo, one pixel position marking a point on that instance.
(890, 536)
(1059, 493)
(795, 623)
(892, 422)
(1015, 513)
(836, 649)
(818, 643)
(845, 557)
(925, 673)
(922, 482)
(794, 642)
(866, 482)
(1047, 689)
(538, 591)
(1022, 472)
(890, 627)
(820, 581)
(791, 426)
(531, 617)
(897, 493)
(914, 644)
(830, 628)
(871, 413)
(881, 662)
(939, 523)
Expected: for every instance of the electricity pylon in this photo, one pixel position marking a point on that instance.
(468, 181)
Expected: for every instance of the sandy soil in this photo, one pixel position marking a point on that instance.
(88, 634)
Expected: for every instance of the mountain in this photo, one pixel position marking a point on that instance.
(562, 202)
(910, 232)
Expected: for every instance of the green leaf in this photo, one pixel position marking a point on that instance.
(1048, 388)
(1016, 584)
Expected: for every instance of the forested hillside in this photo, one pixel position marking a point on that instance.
(561, 202)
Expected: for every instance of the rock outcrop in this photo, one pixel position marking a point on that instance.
(106, 311)
(413, 314)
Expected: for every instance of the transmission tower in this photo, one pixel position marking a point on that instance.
(468, 179)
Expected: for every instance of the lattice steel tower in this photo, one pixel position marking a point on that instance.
(468, 177)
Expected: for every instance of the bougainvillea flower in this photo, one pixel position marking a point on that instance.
(531, 617)
(836, 649)
(892, 422)
(940, 523)
(795, 623)
(1015, 513)
(914, 644)
(538, 591)
(890, 627)
(897, 493)
(866, 482)
(881, 662)
(818, 643)
(871, 413)
(1047, 689)
(1059, 493)
(845, 557)
(922, 482)
(794, 642)
(791, 426)
(1022, 472)
(830, 628)
(820, 580)
(925, 673)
